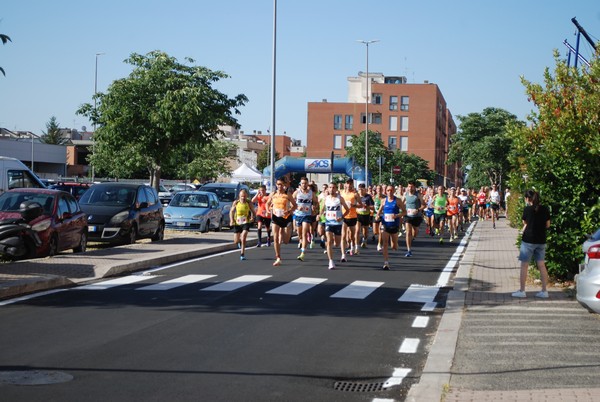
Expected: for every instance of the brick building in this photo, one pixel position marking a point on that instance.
(411, 118)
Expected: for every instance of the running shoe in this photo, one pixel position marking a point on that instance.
(242, 258)
(277, 262)
(542, 294)
(408, 254)
(356, 251)
(349, 252)
(363, 244)
(331, 264)
(441, 240)
(268, 242)
(520, 294)
(386, 266)
(379, 247)
(310, 245)
(259, 244)
(301, 257)
(343, 259)
(494, 225)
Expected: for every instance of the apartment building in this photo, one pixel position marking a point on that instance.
(412, 118)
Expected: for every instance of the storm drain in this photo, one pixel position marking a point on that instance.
(33, 377)
(350, 386)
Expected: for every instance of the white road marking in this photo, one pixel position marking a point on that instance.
(357, 290)
(429, 306)
(297, 286)
(236, 283)
(397, 377)
(173, 283)
(32, 296)
(126, 280)
(409, 345)
(419, 294)
(420, 322)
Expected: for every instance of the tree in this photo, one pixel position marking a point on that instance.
(264, 158)
(377, 149)
(53, 135)
(147, 118)
(558, 156)
(412, 168)
(5, 39)
(482, 145)
(207, 161)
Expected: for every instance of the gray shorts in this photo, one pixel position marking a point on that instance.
(528, 250)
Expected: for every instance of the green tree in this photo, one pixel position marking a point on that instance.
(5, 39)
(412, 168)
(482, 145)
(148, 117)
(264, 158)
(557, 155)
(377, 149)
(206, 162)
(53, 135)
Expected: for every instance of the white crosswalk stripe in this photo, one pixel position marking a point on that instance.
(297, 286)
(174, 283)
(236, 283)
(126, 280)
(357, 290)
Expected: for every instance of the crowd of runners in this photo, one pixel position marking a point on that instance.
(346, 218)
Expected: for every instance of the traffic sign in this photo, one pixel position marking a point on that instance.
(396, 170)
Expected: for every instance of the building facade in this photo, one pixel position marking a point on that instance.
(411, 118)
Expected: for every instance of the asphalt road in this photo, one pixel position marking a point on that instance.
(221, 329)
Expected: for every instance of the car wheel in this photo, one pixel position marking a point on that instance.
(206, 227)
(132, 235)
(219, 226)
(82, 244)
(160, 233)
(53, 245)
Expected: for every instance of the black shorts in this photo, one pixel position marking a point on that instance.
(481, 206)
(264, 220)
(437, 218)
(241, 228)
(414, 220)
(335, 229)
(495, 207)
(280, 221)
(351, 222)
(391, 229)
(364, 220)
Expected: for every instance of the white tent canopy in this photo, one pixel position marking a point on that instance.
(246, 173)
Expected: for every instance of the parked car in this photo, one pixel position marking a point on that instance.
(61, 226)
(588, 280)
(182, 187)
(76, 189)
(194, 210)
(164, 195)
(123, 212)
(226, 193)
(14, 174)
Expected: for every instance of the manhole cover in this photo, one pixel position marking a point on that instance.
(349, 386)
(33, 377)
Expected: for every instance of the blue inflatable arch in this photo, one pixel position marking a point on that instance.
(289, 164)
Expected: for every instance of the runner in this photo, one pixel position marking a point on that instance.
(377, 200)
(263, 217)
(453, 211)
(481, 201)
(364, 213)
(465, 201)
(280, 204)
(429, 196)
(413, 219)
(331, 211)
(440, 202)
(390, 210)
(349, 227)
(494, 204)
(241, 214)
(307, 202)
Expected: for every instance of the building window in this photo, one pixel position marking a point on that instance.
(393, 103)
(404, 144)
(393, 123)
(349, 122)
(376, 99)
(337, 121)
(337, 142)
(375, 118)
(348, 141)
(404, 103)
(404, 123)
(392, 143)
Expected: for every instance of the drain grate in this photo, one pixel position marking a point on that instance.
(349, 386)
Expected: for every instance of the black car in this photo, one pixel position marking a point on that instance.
(122, 213)
(76, 189)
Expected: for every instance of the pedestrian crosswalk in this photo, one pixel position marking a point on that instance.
(357, 289)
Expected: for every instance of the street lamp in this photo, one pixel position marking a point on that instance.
(95, 92)
(367, 43)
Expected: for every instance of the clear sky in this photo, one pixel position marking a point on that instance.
(475, 50)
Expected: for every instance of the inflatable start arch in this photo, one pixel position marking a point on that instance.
(289, 164)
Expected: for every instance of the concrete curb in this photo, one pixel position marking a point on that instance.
(22, 286)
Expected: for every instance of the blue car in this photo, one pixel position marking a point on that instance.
(194, 210)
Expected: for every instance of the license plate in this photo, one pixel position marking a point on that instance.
(92, 228)
(180, 224)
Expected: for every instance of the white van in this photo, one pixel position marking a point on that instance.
(14, 174)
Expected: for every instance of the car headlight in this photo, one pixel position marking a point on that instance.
(41, 226)
(167, 215)
(198, 217)
(119, 218)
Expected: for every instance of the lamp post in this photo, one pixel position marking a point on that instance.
(274, 96)
(95, 92)
(367, 43)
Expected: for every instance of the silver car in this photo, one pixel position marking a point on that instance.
(194, 210)
(588, 280)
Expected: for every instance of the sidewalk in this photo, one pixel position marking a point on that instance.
(492, 347)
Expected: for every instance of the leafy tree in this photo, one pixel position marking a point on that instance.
(53, 135)
(207, 161)
(482, 144)
(147, 118)
(264, 158)
(558, 156)
(412, 168)
(5, 39)
(377, 149)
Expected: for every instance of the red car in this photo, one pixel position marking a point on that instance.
(62, 225)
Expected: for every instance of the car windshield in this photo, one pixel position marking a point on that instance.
(10, 202)
(190, 200)
(109, 196)
(223, 194)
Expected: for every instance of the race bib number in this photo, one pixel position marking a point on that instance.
(389, 217)
(361, 211)
(452, 207)
(241, 220)
(278, 212)
(304, 208)
(331, 216)
(412, 212)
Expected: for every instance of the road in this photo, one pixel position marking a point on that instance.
(221, 329)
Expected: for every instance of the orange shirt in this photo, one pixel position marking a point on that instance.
(453, 203)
